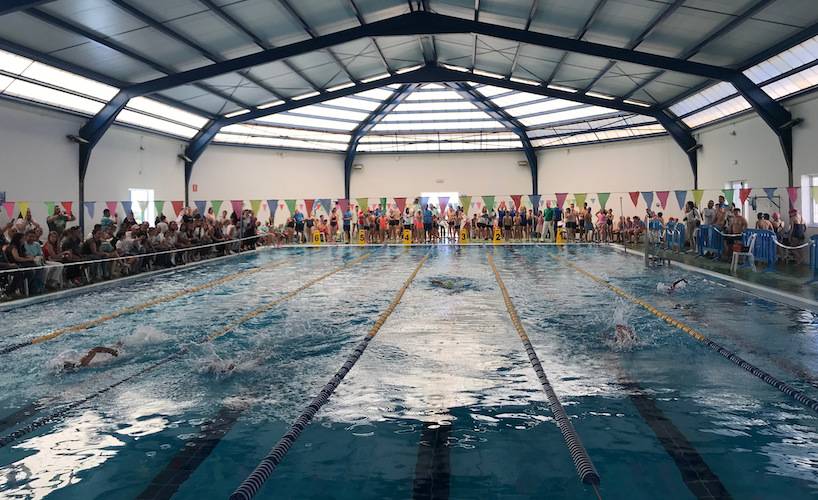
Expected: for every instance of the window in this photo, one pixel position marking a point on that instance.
(809, 202)
(434, 198)
(142, 205)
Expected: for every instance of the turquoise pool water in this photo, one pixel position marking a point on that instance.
(443, 403)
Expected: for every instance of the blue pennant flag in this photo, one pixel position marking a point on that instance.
(680, 198)
(648, 196)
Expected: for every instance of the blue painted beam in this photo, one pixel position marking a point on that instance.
(684, 138)
(368, 124)
(10, 6)
(194, 150)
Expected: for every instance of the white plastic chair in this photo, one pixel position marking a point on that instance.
(751, 260)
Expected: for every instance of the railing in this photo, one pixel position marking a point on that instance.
(710, 239)
(675, 236)
(813, 258)
(764, 249)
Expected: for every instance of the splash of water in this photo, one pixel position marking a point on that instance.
(144, 335)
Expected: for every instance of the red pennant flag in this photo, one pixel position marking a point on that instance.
(663, 198)
(343, 204)
(309, 203)
(561, 198)
(516, 198)
(634, 197)
(177, 206)
(401, 203)
(111, 206)
(793, 193)
(744, 193)
(67, 206)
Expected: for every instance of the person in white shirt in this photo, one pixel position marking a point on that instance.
(709, 214)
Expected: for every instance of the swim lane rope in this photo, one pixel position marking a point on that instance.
(582, 461)
(56, 415)
(733, 357)
(135, 308)
(253, 483)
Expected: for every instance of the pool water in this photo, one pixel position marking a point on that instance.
(443, 403)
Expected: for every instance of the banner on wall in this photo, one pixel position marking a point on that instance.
(662, 195)
(603, 199)
(90, 207)
(681, 196)
(634, 197)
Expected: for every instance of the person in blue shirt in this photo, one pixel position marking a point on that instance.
(299, 226)
(347, 225)
(427, 224)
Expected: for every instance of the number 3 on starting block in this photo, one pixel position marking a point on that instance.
(464, 236)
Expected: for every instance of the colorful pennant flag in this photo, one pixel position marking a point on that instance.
(728, 195)
(383, 204)
(326, 203)
(159, 207)
(22, 206)
(561, 198)
(142, 204)
(68, 205)
(681, 196)
(272, 205)
(815, 192)
(90, 207)
(535, 201)
(343, 204)
(202, 204)
(309, 204)
(9, 206)
(743, 194)
(237, 206)
(517, 199)
(111, 206)
(178, 206)
(126, 205)
(255, 205)
(770, 192)
(634, 197)
(217, 205)
(603, 199)
(465, 201)
(363, 203)
(662, 195)
(49, 207)
(697, 196)
(579, 199)
(792, 192)
(290, 206)
(488, 201)
(444, 202)
(401, 203)
(648, 196)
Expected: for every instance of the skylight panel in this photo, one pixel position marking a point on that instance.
(421, 117)
(376, 77)
(541, 107)
(353, 103)
(491, 90)
(795, 57)
(69, 81)
(797, 82)
(53, 97)
(5, 82)
(516, 98)
(716, 112)
(571, 114)
(701, 99)
(433, 95)
(383, 126)
(163, 110)
(408, 69)
(435, 106)
(305, 96)
(379, 94)
(12, 63)
(150, 122)
(326, 112)
(264, 130)
(303, 121)
(276, 142)
(341, 86)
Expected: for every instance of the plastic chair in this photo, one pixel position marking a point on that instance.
(751, 260)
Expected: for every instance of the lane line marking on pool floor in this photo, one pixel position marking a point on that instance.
(733, 357)
(56, 415)
(433, 469)
(85, 325)
(582, 462)
(253, 483)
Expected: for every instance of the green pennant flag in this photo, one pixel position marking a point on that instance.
(489, 202)
(603, 199)
(159, 206)
(255, 205)
(363, 203)
(728, 195)
(49, 208)
(815, 192)
(579, 199)
(465, 202)
(383, 204)
(216, 204)
(290, 206)
(697, 196)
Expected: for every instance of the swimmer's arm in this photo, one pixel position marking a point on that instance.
(86, 360)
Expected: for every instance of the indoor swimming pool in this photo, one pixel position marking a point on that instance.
(216, 362)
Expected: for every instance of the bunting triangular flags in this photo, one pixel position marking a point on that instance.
(9, 206)
(272, 205)
(90, 207)
(648, 196)
(603, 199)
(662, 195)
(217, 205)
(770, 192)
(363, 203)
(465, 202)
(326, 204)
(401, 203)
(728, 195)
(383, 204)
(238, 205)
(111, 206)
(126, 206)
(579, 199)
(634, 197)
(22, 207)
(561, 198)
(290, 206)
(201, 205)
(517, 199)
(255, 205)
(49, 207)
(535, 201)
(178, 206)
(309, 204)
(343, 204)
(489, 202)
(697, 196)
(792, 192)
(159, 206)
(424, 200)
(444, 202)
(68, 205)
(743, 194)
(815, 192)
(681, 196)
(142, 204)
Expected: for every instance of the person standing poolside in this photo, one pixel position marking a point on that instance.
(333, 225)
(428, 220)
(691, 220)
(548, 222)
(709, 214)
(347, 226)
(570, 224)
(299, 226)
(797, 235)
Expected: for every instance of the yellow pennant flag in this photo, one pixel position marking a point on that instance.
(22, 206)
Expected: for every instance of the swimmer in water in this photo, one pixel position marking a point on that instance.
(624, 335)
(86, 360)
(678, 284)
(449, 285)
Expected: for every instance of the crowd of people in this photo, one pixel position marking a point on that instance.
(59, 256)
